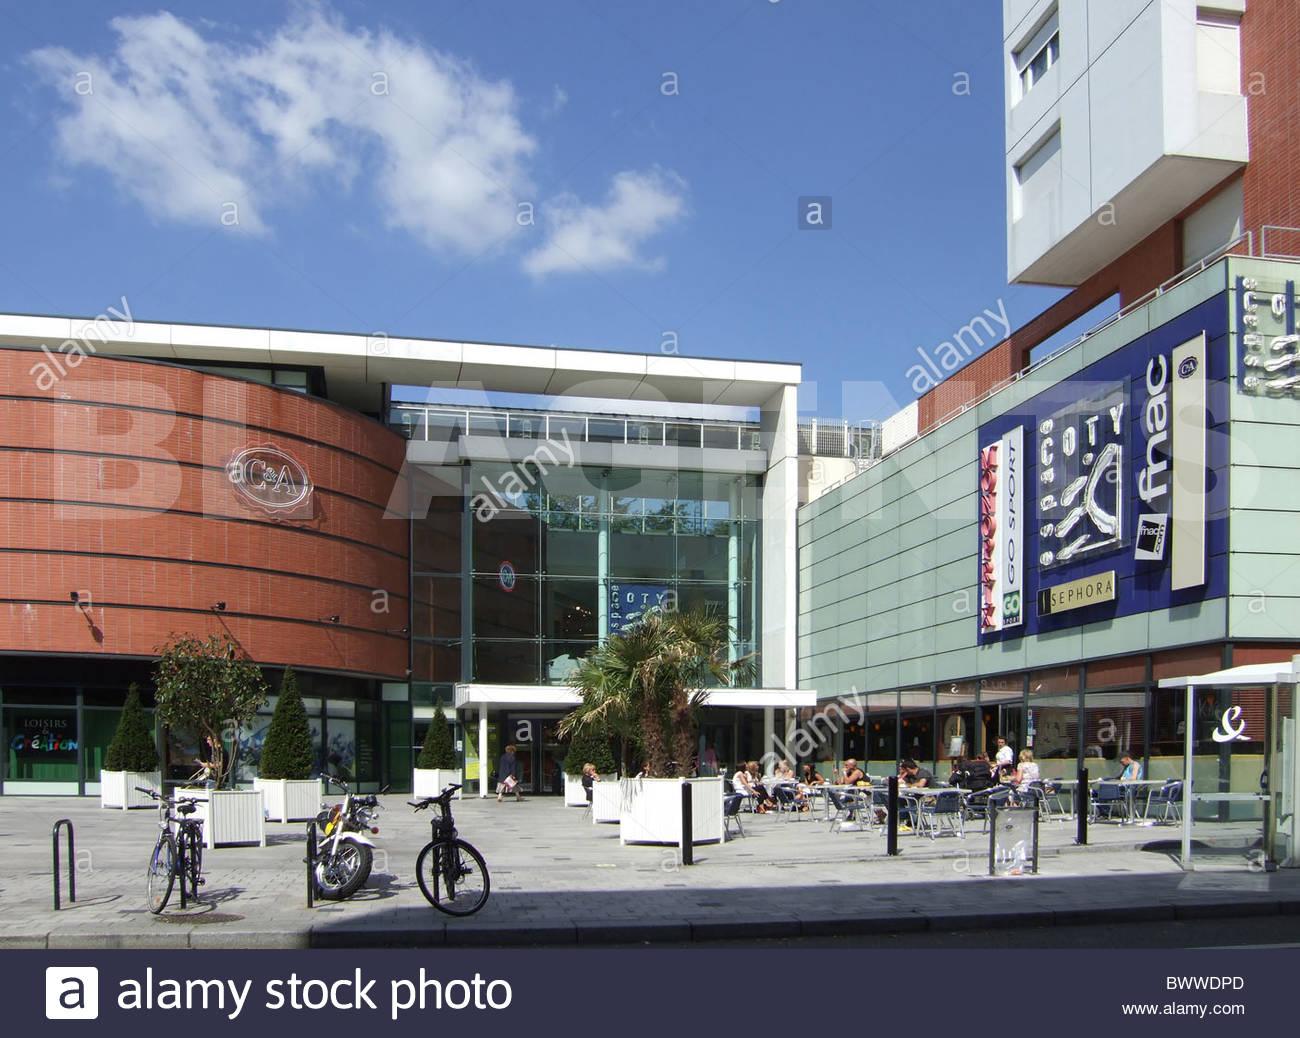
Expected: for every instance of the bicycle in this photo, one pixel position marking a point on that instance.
(174, 854)
(453, 876)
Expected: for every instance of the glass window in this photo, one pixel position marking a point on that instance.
(682, 434)
(42, 744)
(642, 555)
(571, 552)
(509, 536)
(648, 433)
(705, 557)
(1115, 724)
(570, 608)
(916, 726)
(506, 663)
(436, 607)
(955, 723)
(878, 754)
(561, 658)
(605, 430)
(721, 436)
(501, 611)
(435, 661)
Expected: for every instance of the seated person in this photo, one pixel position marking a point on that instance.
(1027, 772)
(960, 774)
(1132, 769)
(783, 770)
(915, 776)
(810, 776)
(762, 798)
(852, 774)
(979, 773)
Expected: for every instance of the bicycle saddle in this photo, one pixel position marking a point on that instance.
(186, 809)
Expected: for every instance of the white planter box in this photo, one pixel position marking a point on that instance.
(230, 816)
(290, 800)
(117, 788)
(606, 801)
(574, 794)
(652, 810)
(429, 782)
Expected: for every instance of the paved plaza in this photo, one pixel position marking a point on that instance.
(557, 879)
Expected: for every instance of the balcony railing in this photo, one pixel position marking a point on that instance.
(447, 424)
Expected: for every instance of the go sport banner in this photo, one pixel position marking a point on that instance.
(1125, 492)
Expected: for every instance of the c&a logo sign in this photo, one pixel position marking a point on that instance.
(271, 479)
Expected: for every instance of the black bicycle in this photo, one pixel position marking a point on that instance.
(452, 874)
(176, 853)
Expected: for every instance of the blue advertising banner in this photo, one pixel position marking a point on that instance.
(628, 603)
(1126, 481)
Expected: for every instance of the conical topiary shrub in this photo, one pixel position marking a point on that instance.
(438, 752)
(287, 752)
(132, 748)
(590, 745)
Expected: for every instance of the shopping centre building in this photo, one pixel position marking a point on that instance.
(1069, 518)
(408, 560)
(1024, 551)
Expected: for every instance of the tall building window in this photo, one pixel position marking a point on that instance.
(1218, 52)
(1038, 53)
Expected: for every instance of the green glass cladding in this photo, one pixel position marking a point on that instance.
(550, 564)
(888, 560)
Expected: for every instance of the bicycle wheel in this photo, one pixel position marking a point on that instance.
(193, 859)
(453, 877)
(161, 872)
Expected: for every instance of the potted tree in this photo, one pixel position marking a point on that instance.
(131, 759)
(438, 763)
(590, 745)
(651, 680)
(288, 759)
(207, 691)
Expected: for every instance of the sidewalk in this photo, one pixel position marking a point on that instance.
(557, 879)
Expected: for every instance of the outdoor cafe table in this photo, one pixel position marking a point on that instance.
(1130, 788)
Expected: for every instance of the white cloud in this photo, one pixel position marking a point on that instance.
(185, 123)
(611, 234)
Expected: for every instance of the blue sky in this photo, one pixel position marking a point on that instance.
(581, 173)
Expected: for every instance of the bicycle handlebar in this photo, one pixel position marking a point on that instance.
(154, 794)
(443, 798)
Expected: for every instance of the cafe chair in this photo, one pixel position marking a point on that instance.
(1168, 799)
(731, 814)
(940, 812)
(1109, 800)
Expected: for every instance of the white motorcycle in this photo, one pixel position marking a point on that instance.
(344, 851)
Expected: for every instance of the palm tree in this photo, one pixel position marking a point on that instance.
(646, 685)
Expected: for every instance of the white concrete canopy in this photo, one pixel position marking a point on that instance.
(357, 366)
(551, 697)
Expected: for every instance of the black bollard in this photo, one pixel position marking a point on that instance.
(891, 834)
(1081, 809)
(72, 861)
(688, 826)
(311, 864)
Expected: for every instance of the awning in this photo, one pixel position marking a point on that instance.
(565, 697)
(1241, 677)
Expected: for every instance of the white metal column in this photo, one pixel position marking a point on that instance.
(484, 765)
(1189, 743)
(769, 740)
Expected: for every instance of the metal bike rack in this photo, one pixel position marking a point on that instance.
(1081, 809)
(311, 864)
(72, 862)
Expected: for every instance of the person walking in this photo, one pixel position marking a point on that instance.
(508, 775)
